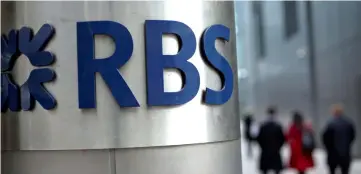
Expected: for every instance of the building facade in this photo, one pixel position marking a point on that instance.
(301, 56)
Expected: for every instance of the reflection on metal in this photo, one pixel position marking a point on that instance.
(210, 158)
(109, 126)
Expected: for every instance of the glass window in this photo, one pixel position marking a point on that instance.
(290, 18)
(259, 27)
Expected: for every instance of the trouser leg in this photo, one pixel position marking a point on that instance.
(345, 167)
(332, 169)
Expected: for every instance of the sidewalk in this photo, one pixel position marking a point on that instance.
(250, 166)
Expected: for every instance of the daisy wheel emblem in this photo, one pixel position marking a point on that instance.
(22, 97)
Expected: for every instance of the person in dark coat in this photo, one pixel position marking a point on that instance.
(337, 138)
(248, 121)
(271, 140)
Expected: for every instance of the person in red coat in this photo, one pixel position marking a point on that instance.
(300, 160)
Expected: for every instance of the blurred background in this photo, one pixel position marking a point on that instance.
(299, 55)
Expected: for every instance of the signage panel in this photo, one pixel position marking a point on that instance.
(75, 99)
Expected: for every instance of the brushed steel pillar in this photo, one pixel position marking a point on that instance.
(193, 138)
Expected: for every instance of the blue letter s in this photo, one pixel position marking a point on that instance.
(218, 62)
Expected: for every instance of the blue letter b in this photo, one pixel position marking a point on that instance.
(156, 62)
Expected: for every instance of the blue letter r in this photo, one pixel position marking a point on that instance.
(108, 68)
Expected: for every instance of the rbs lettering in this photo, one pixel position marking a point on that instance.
(23, 97)
(156, 62)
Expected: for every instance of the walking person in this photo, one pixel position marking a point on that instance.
(301, 141)
(271, 140)
(337, 138)
(249, 137)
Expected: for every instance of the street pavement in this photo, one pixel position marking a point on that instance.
(250, 165)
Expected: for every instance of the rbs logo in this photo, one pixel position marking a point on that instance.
(156, 62)
(23, 42)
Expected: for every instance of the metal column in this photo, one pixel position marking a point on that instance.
(193, 138)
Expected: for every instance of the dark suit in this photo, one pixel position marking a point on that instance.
(271, 140)
(248, 121)
(337, 139)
